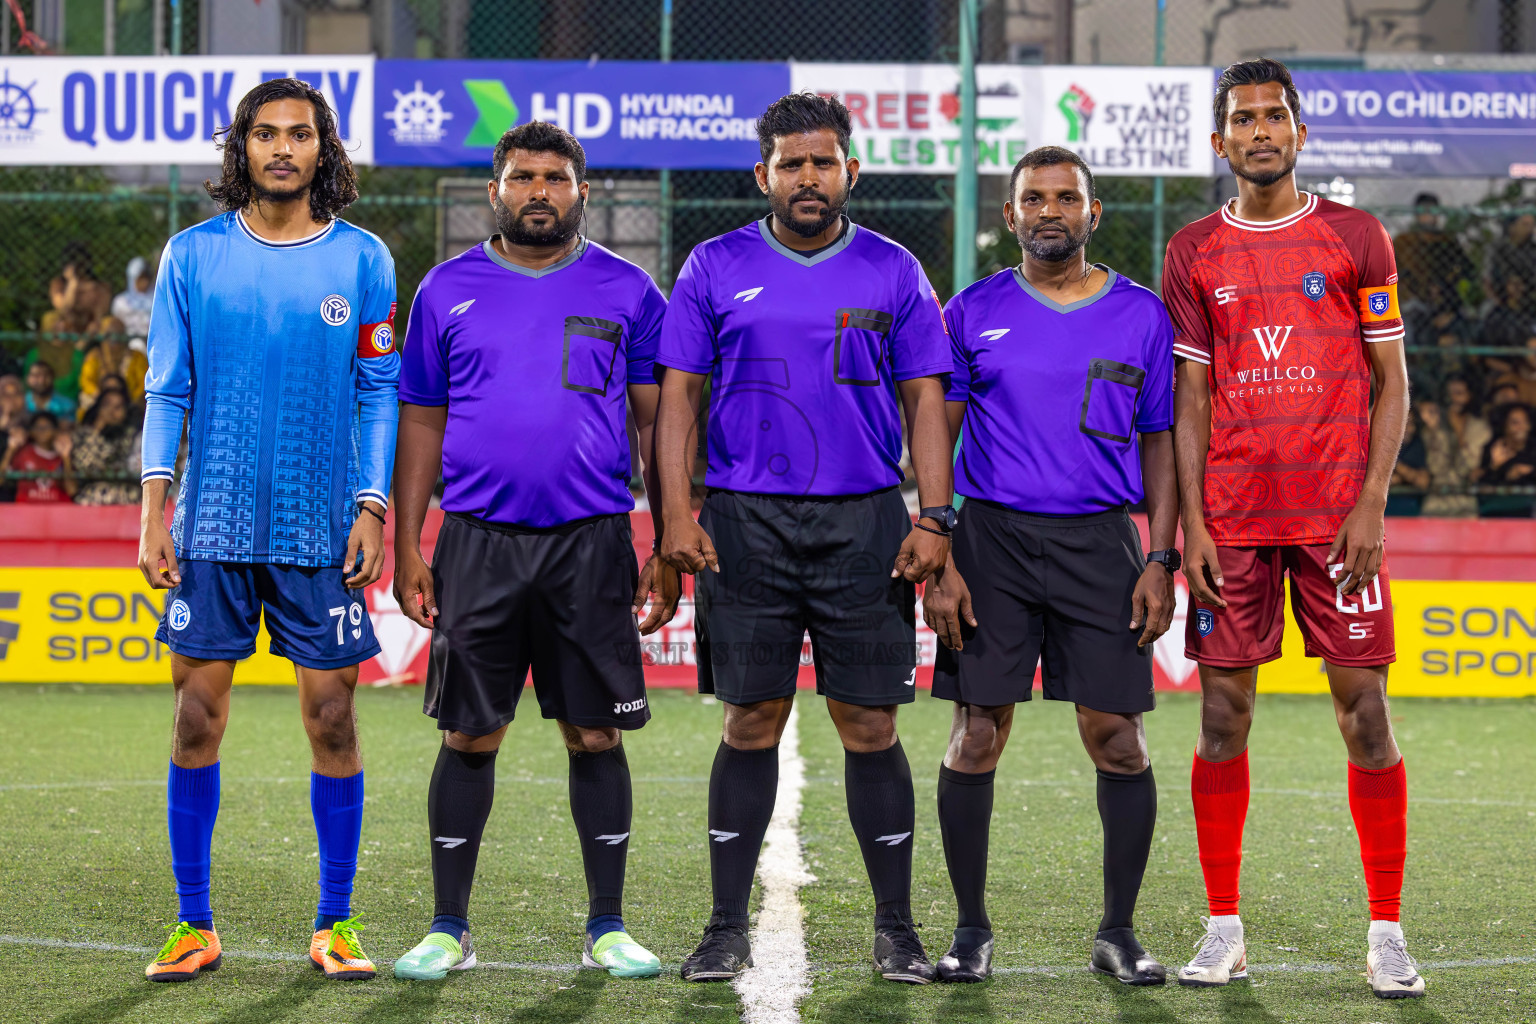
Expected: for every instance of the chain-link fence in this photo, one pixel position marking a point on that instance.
(1468, 258)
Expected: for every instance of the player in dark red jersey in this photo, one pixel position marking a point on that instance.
(1285, 310)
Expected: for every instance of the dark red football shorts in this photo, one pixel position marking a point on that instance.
(1354, 630)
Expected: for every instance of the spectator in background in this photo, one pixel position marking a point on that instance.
(1522, 376)
(41, 397)
(76, 294)
(1428, 254)
(105, 454)
(1507, 460)
(132, 305)
(1438, 319)
(41, 448)
(1453, 438)
(112, 356)
(13, 399)
(1409, 472)
(1515, 258)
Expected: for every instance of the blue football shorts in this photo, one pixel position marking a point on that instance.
(313, 619)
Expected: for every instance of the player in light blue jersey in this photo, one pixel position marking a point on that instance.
(272, 338)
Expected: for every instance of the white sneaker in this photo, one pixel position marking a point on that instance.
(1392, 972)
(1221, 955)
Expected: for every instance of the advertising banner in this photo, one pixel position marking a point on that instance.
(1454, 639)
(1419, 123)
(1123, 121)
(627, 114)
(159, 110)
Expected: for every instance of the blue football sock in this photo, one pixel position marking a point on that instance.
(338, 808)
(602, 924)
(192, 806)
(450, 925)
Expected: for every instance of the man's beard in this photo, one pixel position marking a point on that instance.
(261, 194)
(1264, 179)
(560, 231)
(1055, 250)
(836, 206)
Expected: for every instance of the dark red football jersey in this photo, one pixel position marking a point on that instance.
(1281, 312)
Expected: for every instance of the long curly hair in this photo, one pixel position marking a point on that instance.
(335, 184)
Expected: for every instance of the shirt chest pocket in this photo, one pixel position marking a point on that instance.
(590, 354)
(1109, 400)
(859, 346)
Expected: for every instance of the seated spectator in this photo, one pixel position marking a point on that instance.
(105, 455)
(1501, 395)
(1509, 459)
(1409, 472)
(132, 305)
(40, 394)
(111, 355)
(76, 293)
(1453, 446)
(1522, 377)
(1515, 257)
(1507, 324)
(13, 398)
(41, 449)
(1428, 255)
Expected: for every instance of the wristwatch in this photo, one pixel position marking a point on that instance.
(944, 515)
(1169, 558)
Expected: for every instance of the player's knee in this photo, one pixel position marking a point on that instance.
(581, 739)
(331, 722)
(197, 726)
(1123, 752)
(975, 746)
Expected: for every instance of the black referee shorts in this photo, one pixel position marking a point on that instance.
(556, 600)
(792, 565)
(1051, 588)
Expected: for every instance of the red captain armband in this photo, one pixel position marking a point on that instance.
(1379, 303)
(374, 340)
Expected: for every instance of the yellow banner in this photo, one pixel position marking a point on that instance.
(1454, 639)
(96, 626)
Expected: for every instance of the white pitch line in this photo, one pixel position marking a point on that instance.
(771, 990)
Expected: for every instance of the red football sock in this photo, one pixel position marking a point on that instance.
(1378, 799)
(1220, 793)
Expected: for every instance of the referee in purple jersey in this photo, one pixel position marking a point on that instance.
(1063, 383)
(522, 357)
(815, 334)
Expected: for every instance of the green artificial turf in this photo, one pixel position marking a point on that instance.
(82, 821)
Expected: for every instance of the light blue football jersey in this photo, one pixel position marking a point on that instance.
(281, 357)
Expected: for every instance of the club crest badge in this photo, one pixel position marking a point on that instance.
(1379, 302)
(1313, 285)
(1205, 621)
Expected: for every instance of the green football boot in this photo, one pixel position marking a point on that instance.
(621, 956)
(435, 956)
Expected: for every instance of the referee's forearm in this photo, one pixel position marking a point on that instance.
(1162, 489)
(676, 420)
(929, 441)
(418, 462)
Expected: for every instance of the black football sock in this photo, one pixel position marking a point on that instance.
(1128, 811)
(458, 804)
(601, 806)
(883, 813)
(742, 787)
(965, 821)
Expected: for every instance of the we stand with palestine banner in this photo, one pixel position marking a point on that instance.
(695, 115)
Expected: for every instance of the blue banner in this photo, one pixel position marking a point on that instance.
(626, 114)
(1419, 123)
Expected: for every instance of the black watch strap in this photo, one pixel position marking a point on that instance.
(1169, 558)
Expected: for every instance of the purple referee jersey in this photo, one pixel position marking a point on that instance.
(532, 365)
(1055, 395)
(803, 353)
